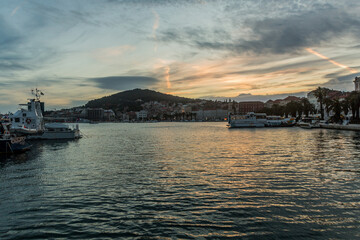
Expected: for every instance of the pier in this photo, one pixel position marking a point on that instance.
(351, 127)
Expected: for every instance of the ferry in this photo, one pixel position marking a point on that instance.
(259, 120)
(250, 120)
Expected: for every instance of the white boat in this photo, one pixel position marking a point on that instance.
(28, 119)
(278, 121)
(58, 131)
(309, 122)
(248, 120)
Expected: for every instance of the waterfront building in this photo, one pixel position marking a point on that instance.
(95, 114)
(250, 106)
(141, 115)
(357, 84)
(109, 115)
(211, 115)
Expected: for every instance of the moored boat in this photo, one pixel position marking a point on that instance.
(309, 122)
(11, 143)
(278, 121)
(29, 118)
(29, 121)
(58, 131)
(250, 120)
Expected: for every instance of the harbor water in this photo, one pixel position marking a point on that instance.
(184, 181)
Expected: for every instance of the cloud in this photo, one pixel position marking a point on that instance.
(337, 80)
(124, 82)
(277, 35)
(9, 38)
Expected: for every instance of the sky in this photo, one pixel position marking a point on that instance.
(79, 50)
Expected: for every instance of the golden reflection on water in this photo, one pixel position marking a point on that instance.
(203, 180)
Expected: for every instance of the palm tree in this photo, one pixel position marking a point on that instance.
(336, 107)
(345, 106)
(306, 106)
(354, 100)
(321, 93)
(328, 105)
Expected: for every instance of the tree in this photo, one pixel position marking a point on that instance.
(345, 106)
(321, 93)
(336, 108)
(328, 105)
(354, 100)
(306, 106)
(293, 108)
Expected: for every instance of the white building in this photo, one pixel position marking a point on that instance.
(141, 114)
(357, 84)
(219, 114)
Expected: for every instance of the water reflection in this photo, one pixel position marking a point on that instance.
(185, 180)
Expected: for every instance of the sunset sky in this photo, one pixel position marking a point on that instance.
(78, 50)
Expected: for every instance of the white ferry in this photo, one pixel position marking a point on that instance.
(248, 120)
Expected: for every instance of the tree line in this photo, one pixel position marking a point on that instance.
(338, 108)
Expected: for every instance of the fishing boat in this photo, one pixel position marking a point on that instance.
(11, 143)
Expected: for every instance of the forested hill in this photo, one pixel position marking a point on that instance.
(131, 99)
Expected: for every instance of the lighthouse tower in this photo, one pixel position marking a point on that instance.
(357, 84)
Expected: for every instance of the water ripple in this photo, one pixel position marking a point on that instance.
(187, 181)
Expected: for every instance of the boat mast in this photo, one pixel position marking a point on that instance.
(37, 93)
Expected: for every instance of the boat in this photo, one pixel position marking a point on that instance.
(29, 118)
(29, 121)
(58, 131)
(278, 121)
(250, 120)
(309, 122)
(11, 143)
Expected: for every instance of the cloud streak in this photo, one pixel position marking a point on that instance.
(330, 60)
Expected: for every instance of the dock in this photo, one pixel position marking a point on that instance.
(350, 127)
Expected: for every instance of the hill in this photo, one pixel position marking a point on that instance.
(131, 99)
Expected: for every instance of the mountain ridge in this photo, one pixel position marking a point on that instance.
(131, 99)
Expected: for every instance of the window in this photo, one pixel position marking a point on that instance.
(17, 119)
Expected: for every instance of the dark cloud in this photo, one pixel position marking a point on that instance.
(124, 82)
(273, 35)
(337, 80)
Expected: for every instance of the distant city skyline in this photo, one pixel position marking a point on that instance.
(79, 50)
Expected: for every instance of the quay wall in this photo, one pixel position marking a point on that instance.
(351, 127)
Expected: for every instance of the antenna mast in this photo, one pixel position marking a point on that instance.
(37, 93)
